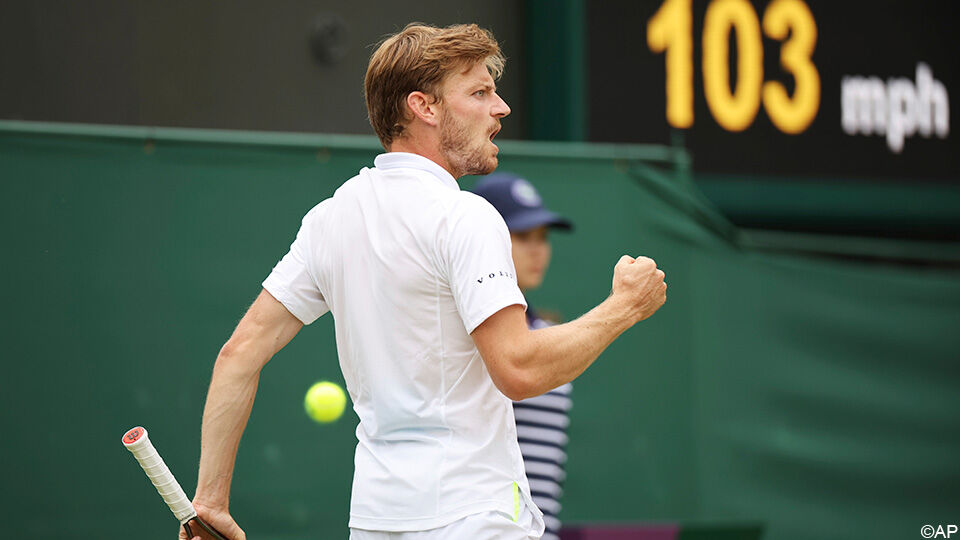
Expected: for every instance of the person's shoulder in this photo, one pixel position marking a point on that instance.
(318, 210)
(312, 220)
(354, 182)
(470, 204)
(317, 213)
(467, 216)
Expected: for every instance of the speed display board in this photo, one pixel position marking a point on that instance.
(783, 87)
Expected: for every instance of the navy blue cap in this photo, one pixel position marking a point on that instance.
(518, 202)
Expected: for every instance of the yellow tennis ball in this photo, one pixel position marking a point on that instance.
(325, 401)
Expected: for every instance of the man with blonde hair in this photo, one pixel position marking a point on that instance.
(430, 325)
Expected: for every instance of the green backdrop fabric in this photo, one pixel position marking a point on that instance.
(817, 397)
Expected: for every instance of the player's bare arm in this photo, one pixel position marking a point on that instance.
(265, 329)
(524, 363)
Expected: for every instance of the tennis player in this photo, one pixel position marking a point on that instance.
(542, 420)
(430, 325)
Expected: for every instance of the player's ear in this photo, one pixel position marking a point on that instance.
(425, 107)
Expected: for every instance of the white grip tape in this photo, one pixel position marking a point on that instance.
(162, 478)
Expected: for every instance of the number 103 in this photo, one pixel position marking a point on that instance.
(670, 30)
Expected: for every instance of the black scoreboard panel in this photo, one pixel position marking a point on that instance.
(781, 87)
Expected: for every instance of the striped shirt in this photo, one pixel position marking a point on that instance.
(542, 433)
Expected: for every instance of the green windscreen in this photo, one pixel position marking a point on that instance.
(816, 397)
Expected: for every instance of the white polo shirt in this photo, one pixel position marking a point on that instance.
(409, 265)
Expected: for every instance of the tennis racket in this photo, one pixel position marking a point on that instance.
(138, 443)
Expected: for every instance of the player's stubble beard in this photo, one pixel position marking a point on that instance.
(455, 146)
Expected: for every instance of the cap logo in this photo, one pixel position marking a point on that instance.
(524, 193)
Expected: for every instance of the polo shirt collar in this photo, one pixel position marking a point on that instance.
(405, 160)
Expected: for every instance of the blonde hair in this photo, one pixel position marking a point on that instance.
(419, 58)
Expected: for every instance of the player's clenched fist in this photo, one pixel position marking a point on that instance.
(640, 285)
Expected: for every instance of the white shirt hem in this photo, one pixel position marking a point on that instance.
(426, 523)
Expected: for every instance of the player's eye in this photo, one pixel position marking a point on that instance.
(480, 93)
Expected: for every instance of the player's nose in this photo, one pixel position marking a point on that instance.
(500, 108)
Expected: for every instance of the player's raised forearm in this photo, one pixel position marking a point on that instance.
(561, 353)
(525, 363)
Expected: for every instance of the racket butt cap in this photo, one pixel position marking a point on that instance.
(134, 435)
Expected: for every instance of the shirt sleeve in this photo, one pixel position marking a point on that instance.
(479, 262)
(291, 281)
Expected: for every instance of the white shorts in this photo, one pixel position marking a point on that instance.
(482, 526)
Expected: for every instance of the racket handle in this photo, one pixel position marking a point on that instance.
(203, 524)
(138, 443)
